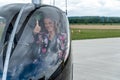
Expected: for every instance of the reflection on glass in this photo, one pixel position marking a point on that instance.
(49, 45)
(2, 26)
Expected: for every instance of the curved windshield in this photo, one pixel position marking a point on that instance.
(2, 26)
(42, 47)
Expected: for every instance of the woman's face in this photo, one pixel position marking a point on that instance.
(49, 24)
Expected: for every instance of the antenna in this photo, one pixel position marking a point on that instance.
(50, 2)
(54, 2)
(66, 6)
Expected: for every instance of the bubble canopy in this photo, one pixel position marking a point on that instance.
(40, 46)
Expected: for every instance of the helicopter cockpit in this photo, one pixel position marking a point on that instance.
(40, 45)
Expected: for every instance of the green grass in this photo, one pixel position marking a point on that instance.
(1, 31)
(95, 24)
(94, 33)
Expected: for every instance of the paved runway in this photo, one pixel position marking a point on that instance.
(96, 59)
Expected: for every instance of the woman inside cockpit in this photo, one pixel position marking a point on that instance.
(50, 40)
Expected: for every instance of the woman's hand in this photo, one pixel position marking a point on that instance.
(37, 28)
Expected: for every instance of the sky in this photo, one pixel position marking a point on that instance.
(81, 7)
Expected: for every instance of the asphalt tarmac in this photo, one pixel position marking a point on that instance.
(96, 59)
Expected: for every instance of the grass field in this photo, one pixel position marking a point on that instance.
(94, 31)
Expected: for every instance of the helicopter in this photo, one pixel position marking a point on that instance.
(35, 42)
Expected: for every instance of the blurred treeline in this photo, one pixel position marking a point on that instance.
(2, 20)
(94, 20)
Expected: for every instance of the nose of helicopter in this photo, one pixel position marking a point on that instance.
(37, 52)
